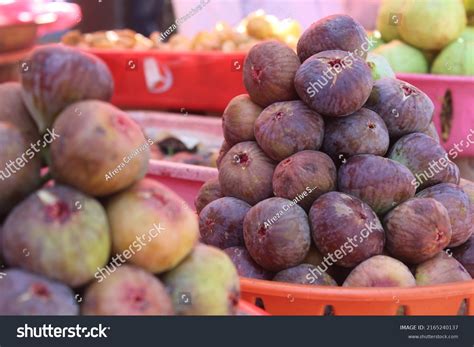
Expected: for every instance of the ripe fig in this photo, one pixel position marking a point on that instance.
(122, 158)
(152, 222)
(205, 283)
(404, 108)
(458, 205)
(245, 265)
(417, 230)
(26, 294)
(246, 173)
(441, 269)
(65, 233)
(239, 118)
(304, 274)
(304, 176)
(426, 159)
(379, 182)
(465, 255)
(58, 76)
(269, 71)
(209, 191)
(337, 220)
(380, 271)
(339, 32)
(287, 127)
(225, 147)
(128, 291)
(362, 132)
(221, 222)
(343, 92)
(268, 228)
(431, 132)
(19, 167)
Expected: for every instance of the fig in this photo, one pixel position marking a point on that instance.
(58, 76)
(287, 127)
(239, 118)
(122, 158)
(380, 271)
(440, 269)
(404, 108)
(128, 291)
(245, 265)
(458, 205)
(152, 222)
(465, 255)
(222, 152)
(205, 283)
(20, 167)
(388, 19)
(65, 233)
(221, 222)
(277, 234)
(417, 230)
(26, 294)
(246, 173)
(379, 182)
(430, 33)
(304, 176)
(362, 132)
(336, 32)
(466, 167)
(431, 132)
(209, 191)
(269, 71)
(379, 66)
(426, 159)
(337, 220)
(304, 274)
(455, 59)
(334, 83)
(403, 57)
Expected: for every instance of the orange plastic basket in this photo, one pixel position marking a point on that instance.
(247, 309)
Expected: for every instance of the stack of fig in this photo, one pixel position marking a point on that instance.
(98, 233)
(327, 176)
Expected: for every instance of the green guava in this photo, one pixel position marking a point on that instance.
(389, 18)
(379, 66)
(457, 58)
(403, 57)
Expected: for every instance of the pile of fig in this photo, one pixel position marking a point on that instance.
(329, 177)
(83, 231)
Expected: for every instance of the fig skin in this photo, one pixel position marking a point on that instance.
(209, 191)
(336, 219)
(154, 216)
(245, 265)
(380, 271)
(465, 255)
(269, 71)
(277, 234)
(246, 173)
(344, 93)
(338, 31)
(417, 230)
(66, 233)
(59, 76)
(426, 159)
(441, 269)
(432, 132)
(362, 132)
(458, 205)
(128, 291)
(16, 181)
(403, 107)
(468, 188)
(225, 147)
(221, 222)
(305, 176)
(99, 125)
(285, 128)
(304, 274)
(210, 279)
(26, 294)
(239, 118)
(379, 182)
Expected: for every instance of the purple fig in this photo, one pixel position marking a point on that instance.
(304, 274)
(209, 191)
(465, 255)
(441, 269)
(246, 266)
(239, 118)
(432, 132)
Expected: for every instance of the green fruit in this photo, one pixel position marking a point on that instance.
(469, 6)
(432, 24)
(389, 19)
(376, 37)
(457, 58)
(205, 283)
(379, 66)
(403, 58)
